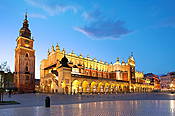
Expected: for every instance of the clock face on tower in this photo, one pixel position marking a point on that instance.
(26, 41)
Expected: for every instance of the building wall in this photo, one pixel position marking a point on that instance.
(92, 67)
(167, 82)
(139, 76)
(24, 65)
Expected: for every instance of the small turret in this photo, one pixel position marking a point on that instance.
(95, 59)
(117, 61)
(132, 57)
(88, 56)
(72, 52)
(123, 62)
(111, 63)
(57, 47)
(106, 63)
(48, 52)
(64, 51)
(81, 56)
(131, 60)
(53, 50)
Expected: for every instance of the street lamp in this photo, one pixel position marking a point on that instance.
(171, 87)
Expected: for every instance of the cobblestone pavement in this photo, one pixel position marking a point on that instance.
(29, 100)
(106, 108)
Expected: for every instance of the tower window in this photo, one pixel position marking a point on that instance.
(27, 55)
(27, 77)
(27, 68)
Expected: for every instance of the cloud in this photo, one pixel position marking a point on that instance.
(34, 15)
(53, 7)
(92, 16)
(82, 31)
(98, 25)
(101, 27)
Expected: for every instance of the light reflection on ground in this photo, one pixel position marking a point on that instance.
(107, 108)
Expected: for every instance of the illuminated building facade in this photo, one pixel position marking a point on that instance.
(139, 77)
(69, 73)
(24, 77)
(152, 79)
(168, 82)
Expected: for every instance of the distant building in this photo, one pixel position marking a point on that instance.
(168, 81)
(152, 79)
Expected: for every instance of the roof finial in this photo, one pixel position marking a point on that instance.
(64, 51)
(88, 56)
(81, 54)
(48, 52)
(26, 15)
(57, 47)
(132, 54)
(53, 48)
(72, 51)
(117, 59)
(123, 60)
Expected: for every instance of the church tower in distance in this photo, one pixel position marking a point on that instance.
(25, 60)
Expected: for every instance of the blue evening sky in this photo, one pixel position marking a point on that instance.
(105, 29)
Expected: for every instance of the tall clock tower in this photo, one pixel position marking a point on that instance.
(25, 60)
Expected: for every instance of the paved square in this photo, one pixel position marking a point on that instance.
(131, 104)
(107, 108)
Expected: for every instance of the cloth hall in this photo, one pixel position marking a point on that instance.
(69, 73)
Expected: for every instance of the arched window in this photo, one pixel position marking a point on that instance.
(27, 55)
(27, 68)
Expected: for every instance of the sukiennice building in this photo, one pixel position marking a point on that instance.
(69, 73)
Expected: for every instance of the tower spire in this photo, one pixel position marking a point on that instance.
(26, 15)
(25, 31)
